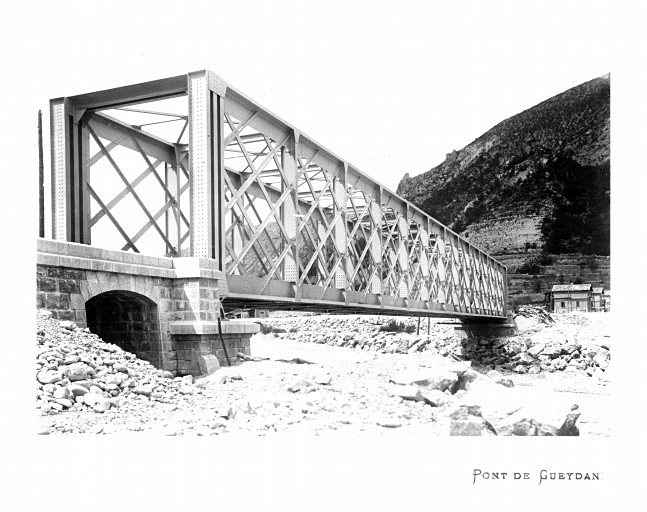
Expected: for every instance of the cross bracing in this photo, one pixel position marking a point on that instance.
(189, 166)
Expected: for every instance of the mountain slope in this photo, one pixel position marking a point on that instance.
(537, 180)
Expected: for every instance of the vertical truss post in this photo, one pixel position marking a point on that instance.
(69, 147)
(504, 276)
(424, 262)
(376, 242)
(289, 206)
(206, 164)
(403, 252)
(340, 230)
(166, 213)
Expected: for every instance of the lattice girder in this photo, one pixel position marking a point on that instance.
(285, 218)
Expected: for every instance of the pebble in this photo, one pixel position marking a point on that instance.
(356, 393)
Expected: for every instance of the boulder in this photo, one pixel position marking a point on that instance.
(79, 371)
(531, 427)
(68, 325)
(470, 379)
(102, 406)
(537, 349)
(65, 402)
(407, 392)
(301, 385)
(62, 393)
(50, 388)
(468, 421)
(435, 398)
(99, 403)
(49, 376)
(525, 358)
(568, 428)
(145, 390)
(571, 347)
(552, 350)
(437, 378)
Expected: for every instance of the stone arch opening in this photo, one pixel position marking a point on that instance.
(127, 319)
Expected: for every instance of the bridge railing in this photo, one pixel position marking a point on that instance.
(286, 219)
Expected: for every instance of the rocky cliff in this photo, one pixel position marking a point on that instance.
(538, 181)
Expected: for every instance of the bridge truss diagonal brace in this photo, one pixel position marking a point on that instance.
(206, 164)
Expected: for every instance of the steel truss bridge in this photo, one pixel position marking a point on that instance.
(188, 166)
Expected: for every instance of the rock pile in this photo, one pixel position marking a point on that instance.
(77, 370)
(543, 343)
(362, 333)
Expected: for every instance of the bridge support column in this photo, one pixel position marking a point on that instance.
(200, 348)
(197, 292)
(485, 329)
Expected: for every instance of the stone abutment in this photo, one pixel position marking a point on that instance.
(165, 310)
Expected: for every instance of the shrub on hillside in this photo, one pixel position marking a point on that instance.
(530, 266)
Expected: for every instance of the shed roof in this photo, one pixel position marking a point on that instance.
(598, 289)
(571, 287)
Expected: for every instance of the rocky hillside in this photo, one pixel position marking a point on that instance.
(539, 180)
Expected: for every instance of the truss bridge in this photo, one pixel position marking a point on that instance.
(153, 178)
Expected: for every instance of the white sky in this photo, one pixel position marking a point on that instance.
(389, 86)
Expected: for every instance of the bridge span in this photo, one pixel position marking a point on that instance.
(189, 168)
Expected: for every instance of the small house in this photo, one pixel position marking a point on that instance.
(571, 297)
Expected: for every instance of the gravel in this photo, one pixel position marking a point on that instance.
(85, 385)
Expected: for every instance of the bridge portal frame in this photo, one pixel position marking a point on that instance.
(409, 262)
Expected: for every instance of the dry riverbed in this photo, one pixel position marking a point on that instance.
(321, 385)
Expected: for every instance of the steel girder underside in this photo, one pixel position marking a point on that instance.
(202, 170)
